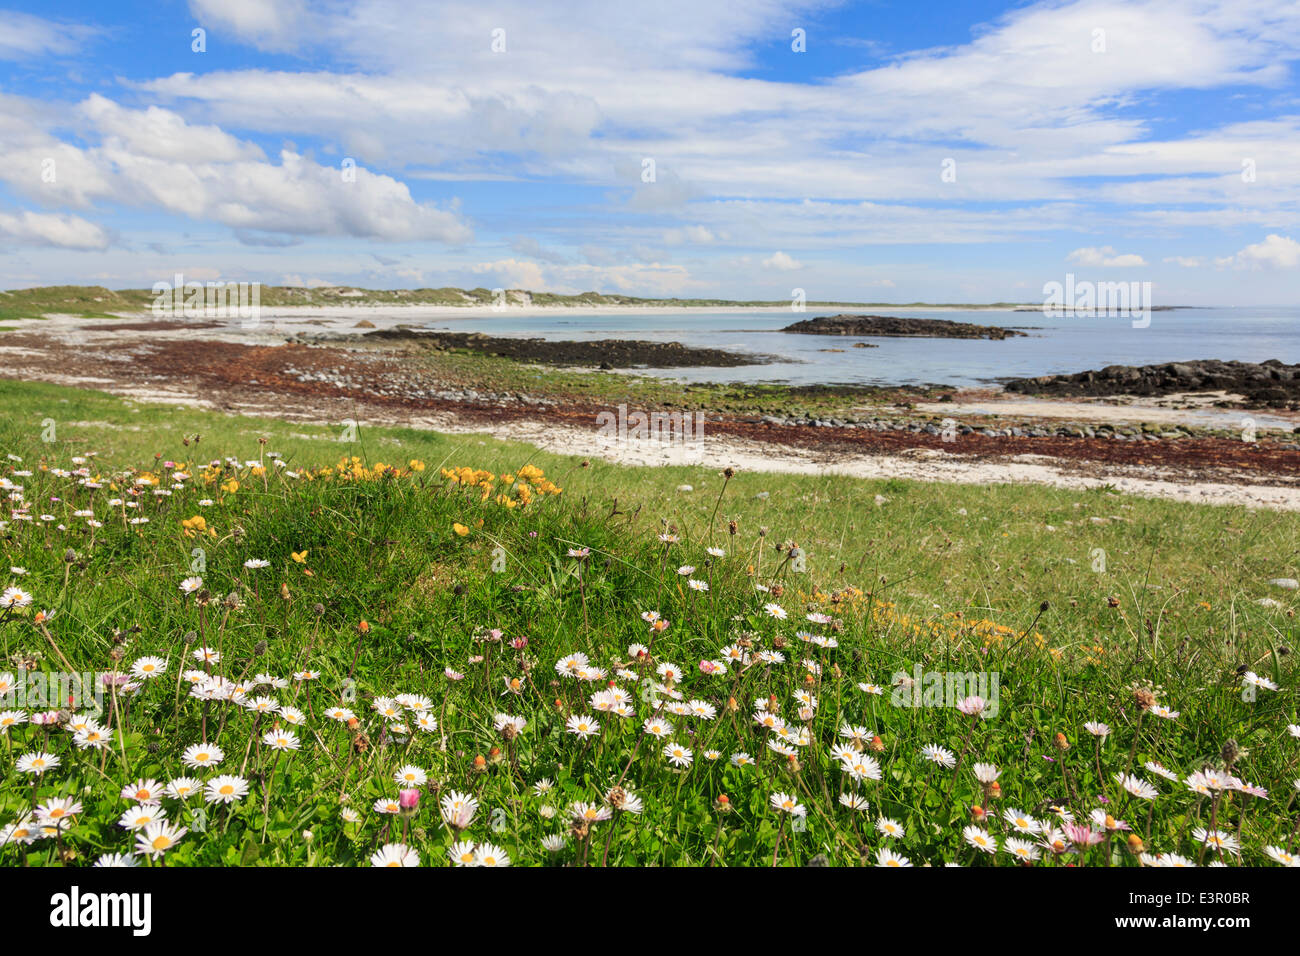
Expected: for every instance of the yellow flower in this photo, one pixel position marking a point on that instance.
(299, 556)
(195, 526)
(230, 487)
(460, 529)
(416, 464)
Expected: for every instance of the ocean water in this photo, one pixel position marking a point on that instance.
(1052, 345)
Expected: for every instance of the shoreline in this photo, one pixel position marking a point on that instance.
(879, 433)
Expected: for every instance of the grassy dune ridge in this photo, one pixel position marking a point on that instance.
(385, 577)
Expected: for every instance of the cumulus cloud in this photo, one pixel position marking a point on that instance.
(1104, 256)
(155, 158)
(779, 260)
(1275, 252)
(52, 229)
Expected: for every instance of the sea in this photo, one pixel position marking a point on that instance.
(1052, 345)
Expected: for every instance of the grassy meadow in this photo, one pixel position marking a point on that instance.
(329, 645)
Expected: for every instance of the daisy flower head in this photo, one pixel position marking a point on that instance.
(15, 597)
(140, 816)
(149, 667)
(200, 756)
(158, 838)
(678, 755)
(1137, 786)
(787, 804)
(143, 791)
(890, 828)
(979, 838)
(182, 788)
(489, 854)
(410, 776)
(939, 755)
(281, 740)
(582, 726)
(395, 854)
(458, 809)
(226, 788)
(1022, 850)
(37, 762)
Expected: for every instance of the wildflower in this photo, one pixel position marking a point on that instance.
(890, 828)
(1251, 679)
(489, 854)
(940, 755)
(410, 776)
(199, 756)
(979, 838)
(37, 762)
(56, 810)
(1137, 786)
(139, 817)
(887, 857)
(582, 725)
(461, 853)
(281, 740)
(182, 788)
(458, 809)
(583, 812)
(787, 804)
(226, 789)
(149, 667)
(1216, 838)
(1022, 850)
(678, 755)
(395, 854)
(143, 791)
(14, 597)
(158, 838)
(986, 773)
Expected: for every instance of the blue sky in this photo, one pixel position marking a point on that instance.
(941, 152)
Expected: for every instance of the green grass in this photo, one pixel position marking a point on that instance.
(948, 578)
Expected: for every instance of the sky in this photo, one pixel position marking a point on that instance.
(859, 151)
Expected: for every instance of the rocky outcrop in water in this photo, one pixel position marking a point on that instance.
(604, 353)
(895, 327)
(1270, 384)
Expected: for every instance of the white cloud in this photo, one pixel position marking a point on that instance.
(694, 234)
(52, 229)
(265, 24)
(1187, 262)
(513, 274)
(779, 260)
(154, 158)
(1104, 256)
(23, 35)
(1275, 252)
